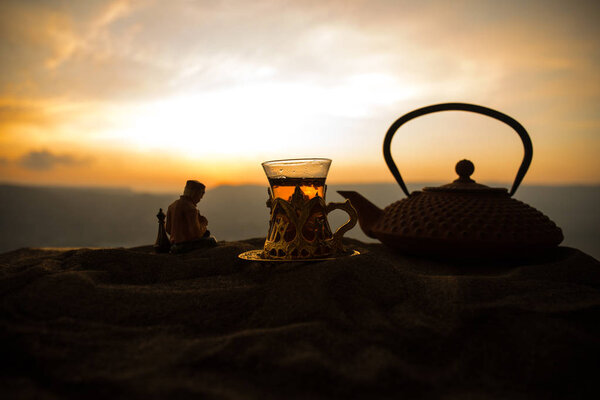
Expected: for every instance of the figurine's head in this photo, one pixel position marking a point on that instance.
(194, 190)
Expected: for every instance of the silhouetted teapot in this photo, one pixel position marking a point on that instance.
(462, 219)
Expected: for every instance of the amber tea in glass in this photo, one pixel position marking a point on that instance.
(308, 174)
(284, 187)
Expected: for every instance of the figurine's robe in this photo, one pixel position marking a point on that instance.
(184, 222)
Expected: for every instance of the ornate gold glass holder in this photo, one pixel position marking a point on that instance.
(299, 229)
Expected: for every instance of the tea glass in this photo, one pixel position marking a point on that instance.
(298, 226)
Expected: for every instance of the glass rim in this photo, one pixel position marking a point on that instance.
(290, 161)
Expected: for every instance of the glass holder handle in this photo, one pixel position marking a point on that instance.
(345, 206)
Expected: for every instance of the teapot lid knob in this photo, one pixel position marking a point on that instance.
(464, 169)
(464, 183)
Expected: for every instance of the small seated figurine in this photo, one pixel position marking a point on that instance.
(185, 225)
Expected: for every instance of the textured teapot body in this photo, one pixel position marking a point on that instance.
(465, 225)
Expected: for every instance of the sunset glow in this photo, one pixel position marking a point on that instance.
(147, 94)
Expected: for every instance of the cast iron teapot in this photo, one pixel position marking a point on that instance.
(462, 219)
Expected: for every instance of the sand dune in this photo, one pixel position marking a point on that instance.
(128, 323)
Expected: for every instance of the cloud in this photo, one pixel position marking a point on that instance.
(14, 112)
(128, 50)
(44, 160)
(122, 50)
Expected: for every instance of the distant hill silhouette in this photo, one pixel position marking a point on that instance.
(57, 216)
(77, 217)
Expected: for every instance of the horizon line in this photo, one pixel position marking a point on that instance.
(134, 189)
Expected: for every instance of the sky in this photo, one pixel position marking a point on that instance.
(148, 94)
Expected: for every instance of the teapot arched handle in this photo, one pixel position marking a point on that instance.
(528, 147)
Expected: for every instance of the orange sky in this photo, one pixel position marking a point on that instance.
(147, 94)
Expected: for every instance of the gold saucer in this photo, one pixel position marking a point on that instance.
(256, 255)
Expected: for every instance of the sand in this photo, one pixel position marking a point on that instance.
(127, 323)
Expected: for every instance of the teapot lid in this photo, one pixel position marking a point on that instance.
(464, 183)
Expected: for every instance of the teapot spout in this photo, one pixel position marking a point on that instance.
(368, 213)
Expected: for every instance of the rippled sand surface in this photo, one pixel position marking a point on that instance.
(128, 323)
